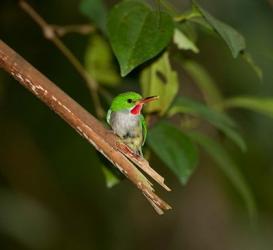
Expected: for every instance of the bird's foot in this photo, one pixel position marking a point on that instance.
(126, 150)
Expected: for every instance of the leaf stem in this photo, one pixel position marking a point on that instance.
(186, 16)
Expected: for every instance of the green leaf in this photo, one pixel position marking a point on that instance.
(220, 120)
(229, 168)
(137, 33)
(261, 105)
(183, 42)
(96, 11)
(110, 178)
(159, 79)
(249, 60)
(234, 40)
(99, 61)
(204, 81)
(175, 149)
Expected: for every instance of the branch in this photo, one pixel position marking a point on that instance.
(84, 123)
(51, 35)
(83, 29)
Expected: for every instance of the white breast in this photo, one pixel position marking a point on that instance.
(123, 122)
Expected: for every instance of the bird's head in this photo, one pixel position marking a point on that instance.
(131, 101)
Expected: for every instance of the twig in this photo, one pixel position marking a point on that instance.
(82, 29)
(83, 122)
(50, 34)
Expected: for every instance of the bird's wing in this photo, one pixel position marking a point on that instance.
(108, 116)
(144, 128)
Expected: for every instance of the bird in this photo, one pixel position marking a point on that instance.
(126, 120)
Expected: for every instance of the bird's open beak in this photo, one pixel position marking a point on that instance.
(148, 99)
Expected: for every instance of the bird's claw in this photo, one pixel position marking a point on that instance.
(127, 150)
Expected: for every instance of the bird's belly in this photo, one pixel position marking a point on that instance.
(128, 127)
(124, 124)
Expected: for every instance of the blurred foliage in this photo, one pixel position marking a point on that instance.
(96, 11)
(262, 105)
(234, 40)
(159, 79)
(205, 83)
(183, 42)
(52, 188)
(224, 161)
(99, 62)
(219, 120)
(177, 150)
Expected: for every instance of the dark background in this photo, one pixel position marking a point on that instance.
(52, 190)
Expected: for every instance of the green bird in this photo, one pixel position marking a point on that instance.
(126, 120)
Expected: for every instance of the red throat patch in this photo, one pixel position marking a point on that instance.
(136, 110)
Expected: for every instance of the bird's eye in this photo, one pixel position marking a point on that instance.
(129, 100)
